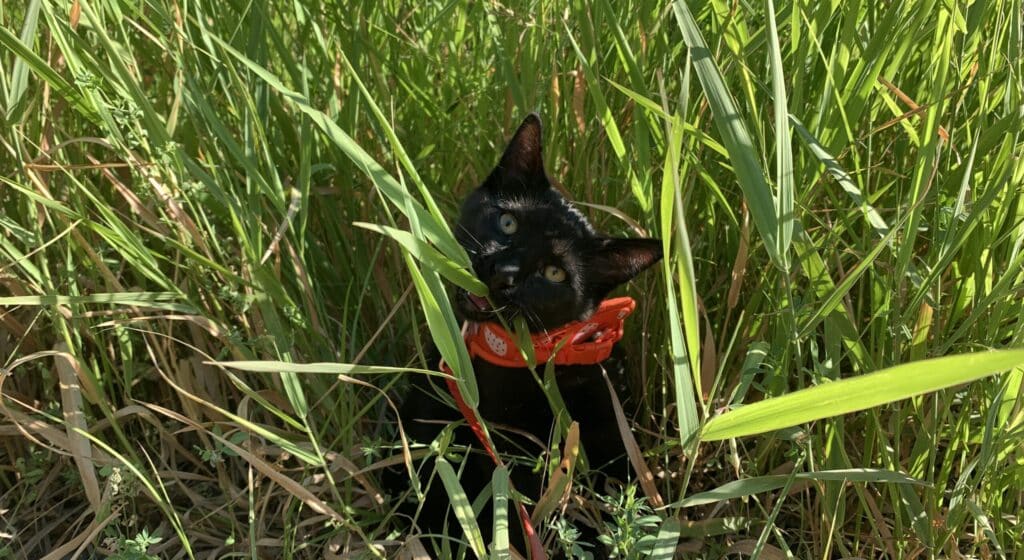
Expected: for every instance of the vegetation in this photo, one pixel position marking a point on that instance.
(839, 185)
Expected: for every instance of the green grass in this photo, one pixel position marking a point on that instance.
(180, 185)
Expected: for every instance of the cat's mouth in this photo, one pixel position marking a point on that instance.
(474, 307)
(481, 303)
(478, 309)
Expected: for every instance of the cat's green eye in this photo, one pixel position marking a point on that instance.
(508, 224)
(554, 274)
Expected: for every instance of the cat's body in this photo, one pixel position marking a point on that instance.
(521, 425)
(514, 404)
(541, 259)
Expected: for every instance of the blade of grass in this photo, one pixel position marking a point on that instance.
(60, 86)
(500, 495)
(859, 393)
(430, 257)
(683, 333)
(460, 505)
(19, 75)
(735, 136)
(835, 297)
(395, 192)
(399, 150)
(271, 366)
(759, 484)
(842, 177)
(783, 142)
(74, 422)
(157, 300)
(668, 537)
(643, 196)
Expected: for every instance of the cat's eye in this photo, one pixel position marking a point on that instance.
(554, 274)
(508, 224)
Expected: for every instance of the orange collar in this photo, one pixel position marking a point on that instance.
(582, 342)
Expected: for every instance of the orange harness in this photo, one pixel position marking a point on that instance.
(578, 343)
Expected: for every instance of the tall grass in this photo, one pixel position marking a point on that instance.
(838, 185)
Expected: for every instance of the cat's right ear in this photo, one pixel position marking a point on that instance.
(522, 165)
(615, 261)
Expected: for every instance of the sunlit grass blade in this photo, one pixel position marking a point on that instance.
(842, 177)
(446, 334)
(682, 328)
(859, 393)
(608, 121)
(39, 66)
(817, 272)
(642, 100)
(431, 257)
(668, 537)
(160, 300)
(461, 507)
(270, 366)
(500, 495)
(650, 105)
(783, 143)
(19, 74)
(735, 136)
(835, 296)
(928, 156)
(394, 191)
(759, 484)
(396, 146)
(75, 423)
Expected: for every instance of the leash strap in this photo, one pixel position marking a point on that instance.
(577, 343)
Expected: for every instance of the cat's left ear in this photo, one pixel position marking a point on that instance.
(616, 261)
(522, 164)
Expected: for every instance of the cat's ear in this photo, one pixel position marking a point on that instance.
(522, 164)
(616, 261)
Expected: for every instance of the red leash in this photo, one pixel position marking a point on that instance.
(585, 343)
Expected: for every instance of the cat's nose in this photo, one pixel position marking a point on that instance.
(504, 277)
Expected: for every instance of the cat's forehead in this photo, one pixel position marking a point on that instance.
(549, 211)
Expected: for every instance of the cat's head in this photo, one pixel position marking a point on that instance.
(538, 255)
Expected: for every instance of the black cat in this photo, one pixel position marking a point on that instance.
(541, 260)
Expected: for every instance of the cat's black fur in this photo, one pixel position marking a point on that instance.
(548, 232)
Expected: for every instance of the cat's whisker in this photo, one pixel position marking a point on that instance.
(471, 237)
(533, 317)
